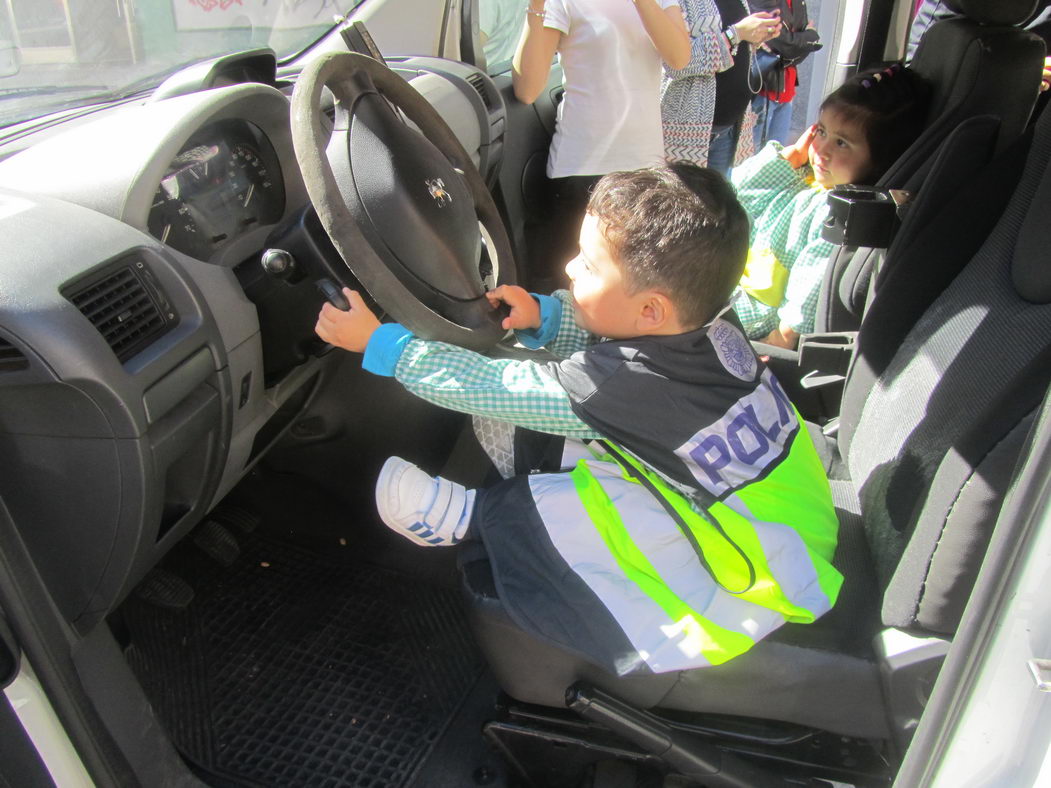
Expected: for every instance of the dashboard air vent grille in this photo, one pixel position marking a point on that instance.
(11, 358)
(477, 81)
(123, 310)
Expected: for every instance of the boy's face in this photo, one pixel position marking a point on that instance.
(600, 297)
(840, 152)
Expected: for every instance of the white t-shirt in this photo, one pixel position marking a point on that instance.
(610, 118)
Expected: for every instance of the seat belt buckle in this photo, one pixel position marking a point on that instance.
(815, 379)
(825, 358)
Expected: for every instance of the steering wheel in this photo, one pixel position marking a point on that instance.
(407, 210)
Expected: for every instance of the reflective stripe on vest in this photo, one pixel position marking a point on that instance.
(618, 539)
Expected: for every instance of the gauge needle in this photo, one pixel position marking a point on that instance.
(249, 193)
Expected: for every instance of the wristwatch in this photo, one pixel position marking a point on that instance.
(731, 35)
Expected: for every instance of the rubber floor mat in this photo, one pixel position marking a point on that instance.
(289, 668)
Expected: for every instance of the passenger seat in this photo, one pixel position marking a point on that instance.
(982, 63)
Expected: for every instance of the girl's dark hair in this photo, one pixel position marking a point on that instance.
(890, 105)
(678, 229)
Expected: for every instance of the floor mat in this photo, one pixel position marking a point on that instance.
(289, 668)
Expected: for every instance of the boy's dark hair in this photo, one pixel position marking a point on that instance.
(677, 229)
(890, 105)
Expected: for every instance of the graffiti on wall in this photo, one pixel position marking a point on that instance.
(283, 14)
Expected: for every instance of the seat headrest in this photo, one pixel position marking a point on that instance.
(995, 12)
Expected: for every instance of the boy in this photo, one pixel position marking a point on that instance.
(701, 519)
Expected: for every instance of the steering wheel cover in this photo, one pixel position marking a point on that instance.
(348, 76)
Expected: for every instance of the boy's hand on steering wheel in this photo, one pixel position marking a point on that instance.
(351, 329)
(525, 311)
(798, 154)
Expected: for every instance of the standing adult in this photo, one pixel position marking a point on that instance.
(774, 72)
(611, 53)
(688, 95)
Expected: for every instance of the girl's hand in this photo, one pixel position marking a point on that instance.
(525, 311)
(799, 154)
(350, 330)
(782, 336)
(760, 27)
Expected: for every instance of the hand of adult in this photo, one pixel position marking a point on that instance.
(1045, 78)
(760, 27)
(798, 153)
(350, 330)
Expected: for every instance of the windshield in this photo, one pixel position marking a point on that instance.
(62, 54)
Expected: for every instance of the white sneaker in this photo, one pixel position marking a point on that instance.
(428, 510)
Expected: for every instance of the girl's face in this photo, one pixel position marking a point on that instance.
(839, 153)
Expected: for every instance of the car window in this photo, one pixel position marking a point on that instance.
(500, 24)
(60, 54)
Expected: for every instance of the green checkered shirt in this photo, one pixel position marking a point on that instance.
(787, 213)
(516, 391)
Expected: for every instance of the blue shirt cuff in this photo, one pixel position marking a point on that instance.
(385, 348)
(550, 321)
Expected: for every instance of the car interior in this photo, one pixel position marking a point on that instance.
(190, 557)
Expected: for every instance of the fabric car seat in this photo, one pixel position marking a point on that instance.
(981, 63)
(938, 437)
(943, 226)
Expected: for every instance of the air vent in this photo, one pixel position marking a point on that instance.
(126, 308)
(11, 358)
(477, 81)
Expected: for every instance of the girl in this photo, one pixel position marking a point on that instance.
(862, 128)
(609, 119)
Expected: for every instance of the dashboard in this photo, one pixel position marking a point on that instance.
(147, 360)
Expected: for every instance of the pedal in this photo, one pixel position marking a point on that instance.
(241, 519)
(164, 589)
(215, 540)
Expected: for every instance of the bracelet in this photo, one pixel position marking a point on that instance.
(733, 39)
(533, 12)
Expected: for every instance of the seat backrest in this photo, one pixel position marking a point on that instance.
(942, 427)
(853, 278)
(945, 226)
(978, 64)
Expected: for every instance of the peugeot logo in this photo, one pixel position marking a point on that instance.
(437, 189)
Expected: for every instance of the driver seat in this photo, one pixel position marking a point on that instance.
(922, 477)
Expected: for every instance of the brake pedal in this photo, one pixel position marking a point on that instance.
(215, 540)
(164, 589)
(241, 519)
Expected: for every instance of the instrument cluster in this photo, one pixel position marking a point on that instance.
(224, 182)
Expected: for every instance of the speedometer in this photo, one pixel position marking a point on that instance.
(252, 187)
(224, 183)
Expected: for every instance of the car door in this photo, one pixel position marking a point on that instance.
(491, 29)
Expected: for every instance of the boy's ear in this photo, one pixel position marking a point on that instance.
(657, 313)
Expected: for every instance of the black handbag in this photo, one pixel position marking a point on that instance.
(767, 72)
